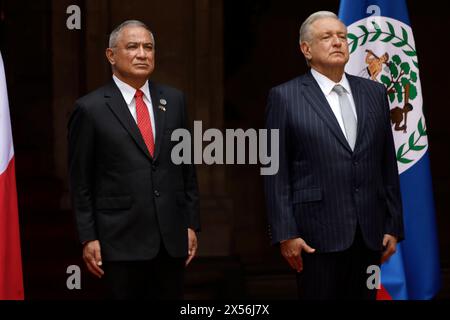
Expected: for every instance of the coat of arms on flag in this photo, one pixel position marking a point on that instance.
(387, 48)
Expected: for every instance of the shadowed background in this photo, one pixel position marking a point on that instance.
(225, 55)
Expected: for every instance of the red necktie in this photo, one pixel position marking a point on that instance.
(143, 121)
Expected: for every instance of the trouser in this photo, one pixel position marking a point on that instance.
(338, 275)
(160, 278)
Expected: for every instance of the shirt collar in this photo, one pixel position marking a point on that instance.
(327, 85)
(128, 91)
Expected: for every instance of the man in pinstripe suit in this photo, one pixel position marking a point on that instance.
(334, 206)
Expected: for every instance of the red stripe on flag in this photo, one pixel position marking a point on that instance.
(11, 281)
(382, 294)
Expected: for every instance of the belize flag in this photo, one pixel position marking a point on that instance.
(382, 48)
(11, 283)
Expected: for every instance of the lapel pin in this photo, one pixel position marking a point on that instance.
(162, 108)
(163, 101)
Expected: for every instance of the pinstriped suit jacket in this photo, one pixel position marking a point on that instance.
(323, 189)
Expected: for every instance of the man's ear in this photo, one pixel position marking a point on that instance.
(110, 56)
(306, 50)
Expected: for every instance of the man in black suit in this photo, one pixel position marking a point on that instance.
(136, 212)
(334, 206)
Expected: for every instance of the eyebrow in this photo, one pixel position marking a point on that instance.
(135, 42)
(333, 32)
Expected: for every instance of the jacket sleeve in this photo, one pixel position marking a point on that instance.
(190, 181)
(81, 139)
(277, 187)
(394, 216)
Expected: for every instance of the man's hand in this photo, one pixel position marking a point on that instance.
(292, 251)
(92, 257)
(192, 242)
(390, 245)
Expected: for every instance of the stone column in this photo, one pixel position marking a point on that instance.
(67, 71)
(208, 94)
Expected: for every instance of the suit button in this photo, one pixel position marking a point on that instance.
(156, 192)
(355, 163)
(356, 190)
(153, 167)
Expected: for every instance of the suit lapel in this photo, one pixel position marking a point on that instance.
(319, 103)
(118, 106)
(360, 101)
(159, 113)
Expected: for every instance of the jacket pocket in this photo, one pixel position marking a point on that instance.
(113, 203)
(307, 195)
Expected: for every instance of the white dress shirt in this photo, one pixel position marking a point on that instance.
(327, 85)
(128, 93)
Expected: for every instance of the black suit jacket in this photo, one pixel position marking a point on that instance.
(122, 196)
(323, 189)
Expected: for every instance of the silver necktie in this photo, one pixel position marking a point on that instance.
(347, 115)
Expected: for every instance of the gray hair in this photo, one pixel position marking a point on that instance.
(305, 29)
(136, 23)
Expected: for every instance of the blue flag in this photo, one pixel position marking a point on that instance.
(382, 48)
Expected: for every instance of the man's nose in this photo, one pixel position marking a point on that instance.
(336, 41)
(141, 52)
